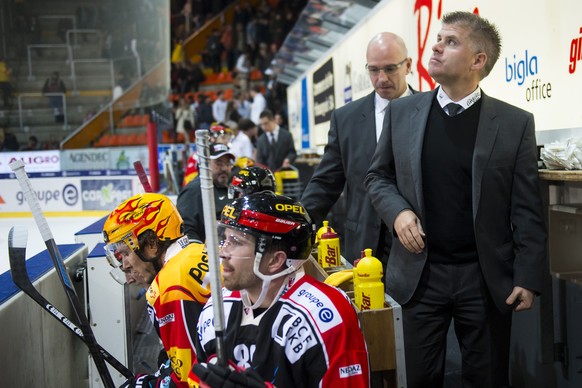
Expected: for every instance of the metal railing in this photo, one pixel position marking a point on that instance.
(72, 17)
(30, 47)
(76, 32)
(74, 63)
(38, 95)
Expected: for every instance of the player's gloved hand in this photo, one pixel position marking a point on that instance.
(160, 379)
(215, 376)
(144, 381)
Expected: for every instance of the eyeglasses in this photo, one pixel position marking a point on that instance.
(222, 164)
(388, 69)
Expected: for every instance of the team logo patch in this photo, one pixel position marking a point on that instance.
(326, 315)
(350, 370)
(165, 320)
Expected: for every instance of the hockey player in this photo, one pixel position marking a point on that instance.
(283, 328)
(143, 235)
(251, 180)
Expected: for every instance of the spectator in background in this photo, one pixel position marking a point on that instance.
(263, 60)
(258, 105)
(239, 37)
(8, 141)
(219, 107)
(54, 85)
(53, 143)
(204, 112)
(275, 148)
(280, 120)
(214, 51)
(32, 144)
(241, 145)
(252, 131)
(184, 119)
(5, 85)
(196, 77)
(122, 83)
(228, 46)
(243, 70)
(251, 33)
(243, 106)
(231, 112)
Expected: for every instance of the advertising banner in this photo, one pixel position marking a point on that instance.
(86, 159)
(54, 194)
(104, 194)
(323, 92)
(34, 161)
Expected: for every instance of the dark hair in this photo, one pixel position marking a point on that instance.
(245, 124)
(484, 36)
(267, 114)
(149, 237)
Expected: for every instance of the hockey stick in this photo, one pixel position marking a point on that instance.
(17, 239)
(207, 187)
(17, 167)
(143, 178)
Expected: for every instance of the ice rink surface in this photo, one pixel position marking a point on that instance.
(62, 228)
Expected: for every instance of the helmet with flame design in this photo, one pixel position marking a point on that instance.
(136, 215)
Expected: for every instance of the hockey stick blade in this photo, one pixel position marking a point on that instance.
(143, 178)
(17, 238)
(17, 167)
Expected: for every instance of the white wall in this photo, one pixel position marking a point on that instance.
(550, 31)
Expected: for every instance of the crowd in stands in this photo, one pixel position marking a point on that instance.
(232, 79)
(229, 81)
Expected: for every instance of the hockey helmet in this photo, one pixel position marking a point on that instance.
(251, 180)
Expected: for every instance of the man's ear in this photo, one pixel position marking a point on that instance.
(479, 61)
(277, 262)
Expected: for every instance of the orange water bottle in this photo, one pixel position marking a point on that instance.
(328, 250)
(368, 286)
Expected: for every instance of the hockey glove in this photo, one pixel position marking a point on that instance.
(215, 376)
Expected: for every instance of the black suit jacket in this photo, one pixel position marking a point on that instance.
(189, 205)
(506, 203)
(273, 157)
(347, 155)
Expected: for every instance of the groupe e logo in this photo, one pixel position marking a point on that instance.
(69, 195)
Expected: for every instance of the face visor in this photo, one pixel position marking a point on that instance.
(232, 241)
(116, 252)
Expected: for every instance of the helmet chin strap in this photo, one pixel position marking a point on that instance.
(292, 266)
(154, 260)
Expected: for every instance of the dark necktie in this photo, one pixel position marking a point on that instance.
(271, 139)
(453, 109)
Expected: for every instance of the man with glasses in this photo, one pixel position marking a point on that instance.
(354, 131)
(189, 201)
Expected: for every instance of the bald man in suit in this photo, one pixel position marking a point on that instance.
(353, 133)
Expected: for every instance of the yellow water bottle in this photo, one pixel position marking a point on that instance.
(322, 230)
(368, 286)
(328, 250)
